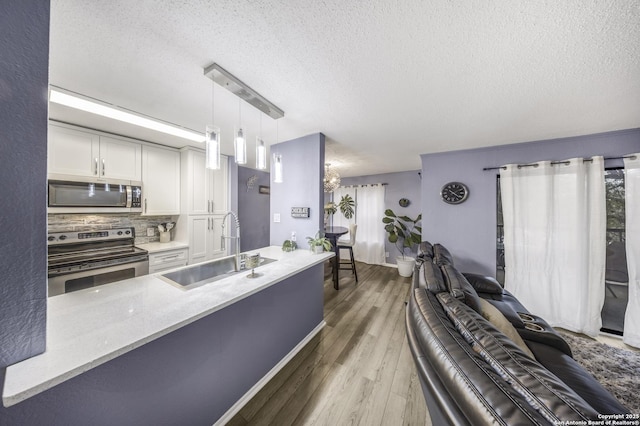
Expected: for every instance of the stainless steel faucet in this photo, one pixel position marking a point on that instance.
(237, 238)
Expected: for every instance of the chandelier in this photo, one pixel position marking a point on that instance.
(331, 178)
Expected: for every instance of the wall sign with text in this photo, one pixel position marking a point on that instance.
(300, 212)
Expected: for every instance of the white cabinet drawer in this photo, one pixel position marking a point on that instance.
(167, 260)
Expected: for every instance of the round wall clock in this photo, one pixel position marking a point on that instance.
(454, 192)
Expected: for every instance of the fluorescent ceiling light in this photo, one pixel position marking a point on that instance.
(118, 114)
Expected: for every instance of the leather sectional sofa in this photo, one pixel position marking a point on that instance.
(482, 358)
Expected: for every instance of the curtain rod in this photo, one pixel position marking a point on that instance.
(632, 157)
(364, 184)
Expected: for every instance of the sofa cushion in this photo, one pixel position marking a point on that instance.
(495, 317)
(483, 284)
(551, 397)
(577, 378)
(459, 385)
(441, 255)
(425, 250)
(459, 287)
(430, 277)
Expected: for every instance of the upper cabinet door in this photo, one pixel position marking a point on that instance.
(79, 153)
(160, 181)
(120, 159)
(219, 192)
(72, 152)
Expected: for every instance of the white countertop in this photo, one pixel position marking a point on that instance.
(90, 327)
(158, 247)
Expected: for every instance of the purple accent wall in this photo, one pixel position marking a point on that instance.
(399, 185)
(191, 376)
(303, 169)
(469, 229)
(253, 209)
(24, 75)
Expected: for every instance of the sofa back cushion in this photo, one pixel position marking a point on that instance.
(547, 394)
(429, 276)
(459, 287)
(483, 284)
(441, 255)
(425, 250)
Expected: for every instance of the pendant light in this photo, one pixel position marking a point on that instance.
(240, 142)
(331, 178)
(261, 150)
(277, 162)
(212, 137)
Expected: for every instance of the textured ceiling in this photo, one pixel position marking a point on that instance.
(385, 81)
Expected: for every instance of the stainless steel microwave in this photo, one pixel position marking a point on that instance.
(94, 196)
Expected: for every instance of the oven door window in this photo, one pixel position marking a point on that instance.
(99, 279)
(79, 194)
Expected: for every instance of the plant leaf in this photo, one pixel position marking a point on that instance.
(387, 220)
(389, 212)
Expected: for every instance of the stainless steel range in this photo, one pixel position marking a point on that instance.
(85, 259)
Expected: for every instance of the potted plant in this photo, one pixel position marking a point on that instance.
(320, 243)
(405, 233)
(289, 245)
(346, 205)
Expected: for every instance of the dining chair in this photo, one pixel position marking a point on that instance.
(348, 245)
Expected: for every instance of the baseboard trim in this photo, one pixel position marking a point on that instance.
(390, 265)
(235, 408)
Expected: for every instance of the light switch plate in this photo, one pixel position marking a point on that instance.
(151, 232)
(276, 217)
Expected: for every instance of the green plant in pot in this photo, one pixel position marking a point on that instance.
(346, 205)
(319, 243)
(405, 233)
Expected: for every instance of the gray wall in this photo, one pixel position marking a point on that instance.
(469, 229)
(303, 169)
(24, 67)
(399, 185)
(191, 376)
(253, 209)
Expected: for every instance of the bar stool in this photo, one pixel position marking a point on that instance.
(348, 245)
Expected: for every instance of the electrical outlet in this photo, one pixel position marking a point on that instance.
(151, 232)
(276, 217)
(386, 254)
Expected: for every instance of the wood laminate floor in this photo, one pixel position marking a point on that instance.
(357, 371)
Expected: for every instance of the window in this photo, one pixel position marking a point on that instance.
(616, 276)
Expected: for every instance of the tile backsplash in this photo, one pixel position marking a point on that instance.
(84, 222)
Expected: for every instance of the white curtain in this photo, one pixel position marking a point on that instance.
(631, 335)
(370, 235)
(555, 240)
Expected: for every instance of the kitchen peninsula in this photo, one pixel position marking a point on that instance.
(147, 352)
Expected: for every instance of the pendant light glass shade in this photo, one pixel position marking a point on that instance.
(212, 147)
(261, 154)
(240, 145)
(277, 168)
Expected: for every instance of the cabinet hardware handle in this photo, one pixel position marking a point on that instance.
(103, 167)
(95, 172)
(145, 205)
(170, 257)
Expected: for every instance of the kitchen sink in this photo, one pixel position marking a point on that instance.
(204, 273)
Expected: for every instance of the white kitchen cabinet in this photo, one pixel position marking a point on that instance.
(160, 181)
(166, 260)
(204, 191)
(81, 153)
(204, 202)
(204, 232)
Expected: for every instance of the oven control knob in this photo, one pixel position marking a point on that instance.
(63, 237)
(119, 232)
(51, 238)
(127, 232)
